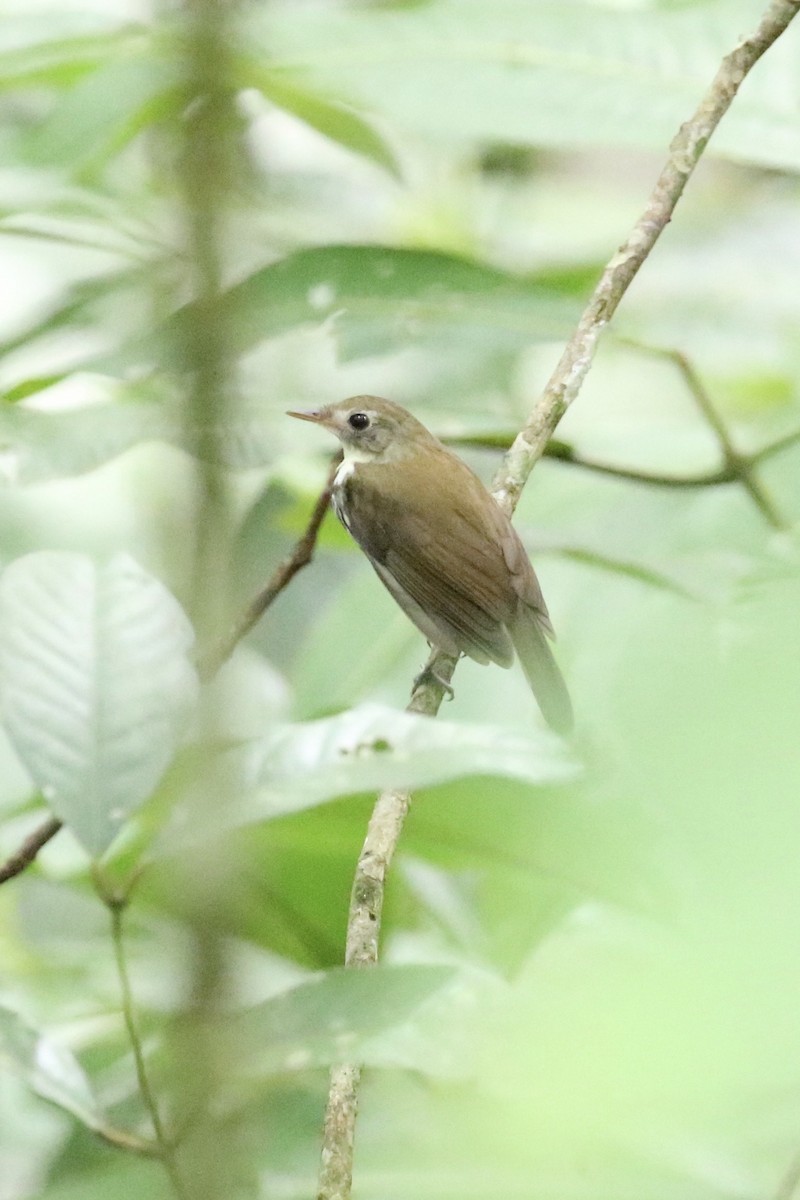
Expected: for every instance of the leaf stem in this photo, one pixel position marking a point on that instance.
(116, 905)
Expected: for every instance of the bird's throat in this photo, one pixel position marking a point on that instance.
(354, 456)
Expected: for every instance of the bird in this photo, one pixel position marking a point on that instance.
(441, 544)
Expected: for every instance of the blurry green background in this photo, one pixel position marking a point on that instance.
(420, 200)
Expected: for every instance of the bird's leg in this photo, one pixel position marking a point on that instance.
(428, 675)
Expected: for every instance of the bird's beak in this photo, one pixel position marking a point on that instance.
(313, 414)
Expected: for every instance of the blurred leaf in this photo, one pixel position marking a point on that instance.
(96, 684)
(329, 117)
(566, 74)
(380, 299)
(36, 446)
(84, 1175)
(29, 387)
(78, 306)
(105, 109)
(335, 1017)
(49, 1069)
(356, 641)
(638, 571)
(369, 748)
(58, 50)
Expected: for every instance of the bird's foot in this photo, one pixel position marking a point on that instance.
(428, 675)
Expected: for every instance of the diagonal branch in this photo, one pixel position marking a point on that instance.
(300, 557)
(685, 152)
(385, 827)
(16, 863)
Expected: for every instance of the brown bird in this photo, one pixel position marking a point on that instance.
(441, 544)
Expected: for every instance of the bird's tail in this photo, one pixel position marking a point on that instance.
(541, 670)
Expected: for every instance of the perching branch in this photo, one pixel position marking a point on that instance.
(386, 823)
(685, 152)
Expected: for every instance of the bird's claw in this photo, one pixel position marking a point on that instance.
(428, 675)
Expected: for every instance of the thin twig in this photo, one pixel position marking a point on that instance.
(166, 1152)
(384, 830)
(300, 557)
(564, 452)
(777, 447)
(22, 858)
(737, 468)
(736, 465)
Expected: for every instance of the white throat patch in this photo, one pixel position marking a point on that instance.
(344, 471)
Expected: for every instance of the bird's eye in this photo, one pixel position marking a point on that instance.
(358, 420)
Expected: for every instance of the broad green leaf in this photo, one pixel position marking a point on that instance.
(96, 684)
(338, 1016)
(49, 1069)
(375, 299)
(371, 747)
(381, 299)
(566, 74)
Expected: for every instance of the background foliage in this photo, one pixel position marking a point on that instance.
(591, 951)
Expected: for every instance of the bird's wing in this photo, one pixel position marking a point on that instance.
(439, 551)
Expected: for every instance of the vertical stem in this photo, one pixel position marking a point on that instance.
(116, 907)
(207, 169)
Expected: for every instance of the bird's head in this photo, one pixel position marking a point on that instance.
(371, 429)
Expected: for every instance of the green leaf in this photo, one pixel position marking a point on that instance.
(30, 387)
(49, 1069)
(341, 1015)
(376, 300)
(564, 74)
(96, 684)
(371, 747)
(58, 50)
(78, 306)
(329, 117)
(36, 446)
(380, 299)
(105, 109)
